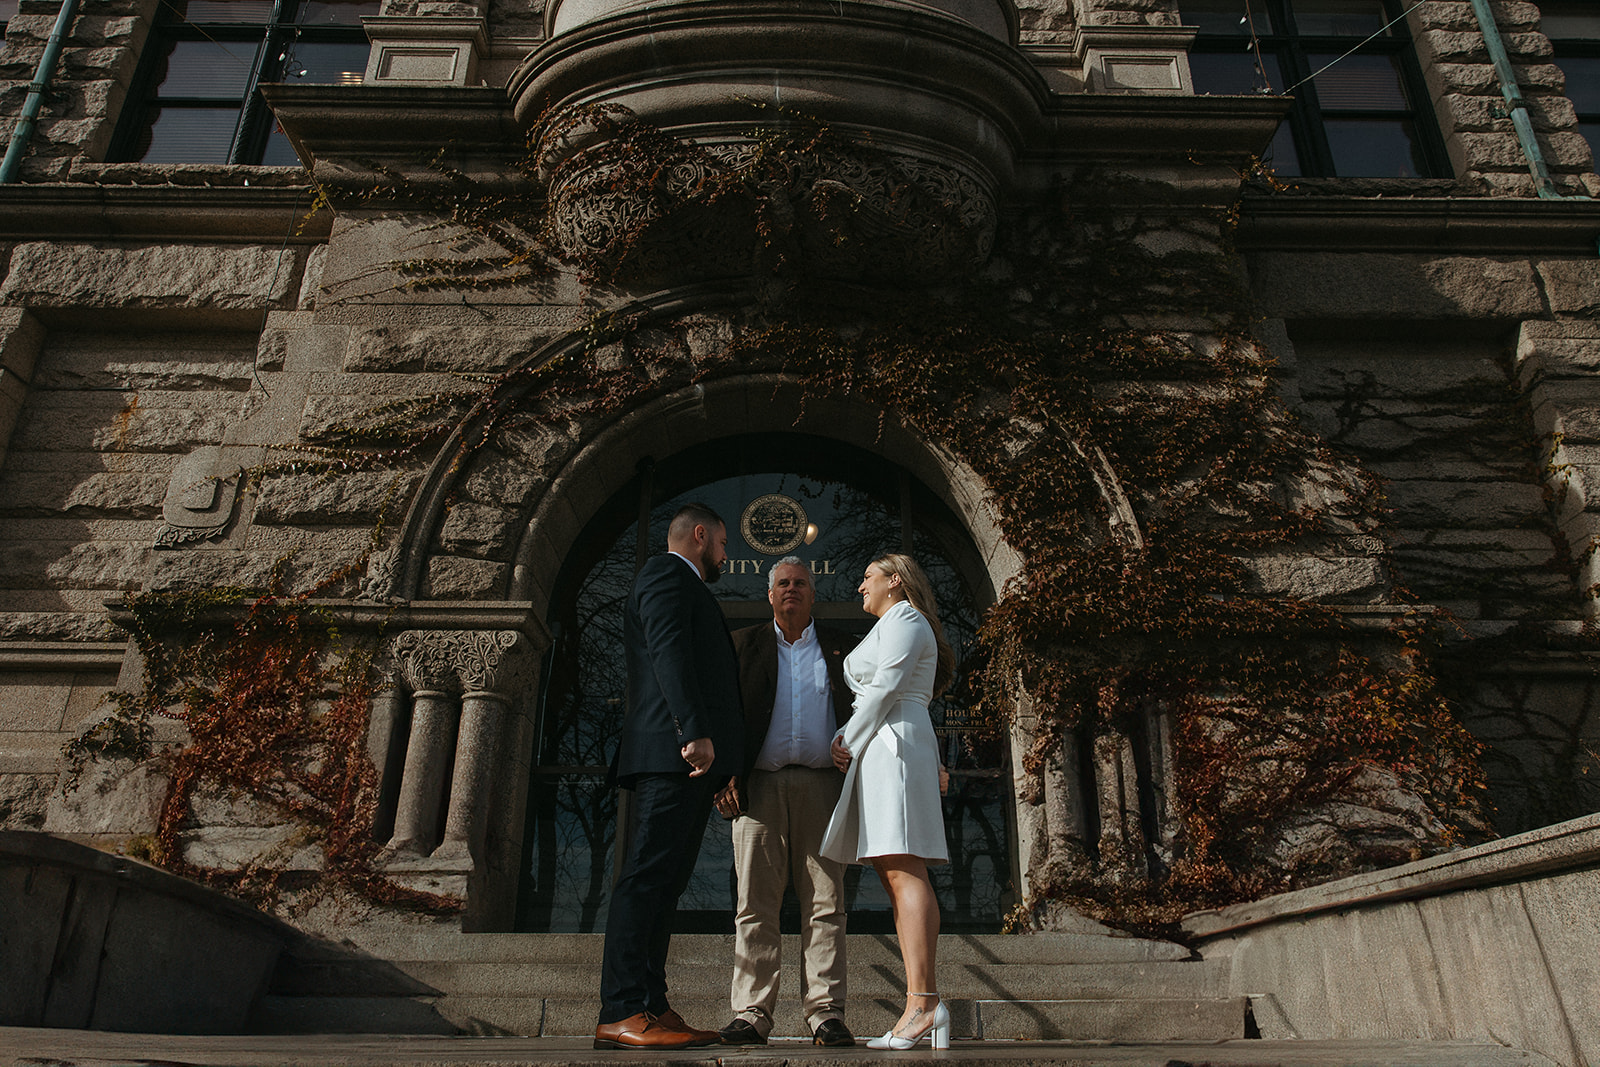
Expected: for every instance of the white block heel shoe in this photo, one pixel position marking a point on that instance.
(937, 1030)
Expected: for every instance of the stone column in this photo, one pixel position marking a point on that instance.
(492, 667)
(1064, 809)
(386, 745)
(423, 658)
(1167, 818)
(1122, 858)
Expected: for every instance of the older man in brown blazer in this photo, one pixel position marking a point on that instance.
(791, 678)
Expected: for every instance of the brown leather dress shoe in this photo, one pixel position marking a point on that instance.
(698, 1038)
(641, 1032)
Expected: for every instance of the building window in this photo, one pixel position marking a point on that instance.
(195, 97)
(1574, 30)
(1351, 70)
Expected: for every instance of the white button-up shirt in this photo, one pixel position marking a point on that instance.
(802, 715)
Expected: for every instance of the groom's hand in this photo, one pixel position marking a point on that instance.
(698, 754)
(841, 755)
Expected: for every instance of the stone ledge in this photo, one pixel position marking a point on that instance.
(1418, 224)
(160, 212)
(370, 616)
(1565, 846)
(62, 655)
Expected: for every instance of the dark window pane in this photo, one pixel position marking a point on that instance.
(254, 12)
(208, 69)
(189, 135)
(324, 62)
(335, 12)
(1591, 133)
(279, 152)
(1225, 16)
(8, 8)
(1373, 148)
(1343, 18)
(1234, 73)
(1281, 155)
(1583, 81)
(1368, 83)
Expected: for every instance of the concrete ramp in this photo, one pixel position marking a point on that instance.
(89, 940)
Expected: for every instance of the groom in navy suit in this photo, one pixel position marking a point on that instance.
(682, 737)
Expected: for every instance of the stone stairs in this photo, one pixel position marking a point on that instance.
(1064, 986)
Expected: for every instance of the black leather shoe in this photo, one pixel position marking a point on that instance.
(833, 1033)
(740, 1032)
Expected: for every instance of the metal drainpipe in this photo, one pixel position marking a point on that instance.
(23, 133)
(1542, 181)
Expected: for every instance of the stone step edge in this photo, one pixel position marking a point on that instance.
(1019, 949)
(1020, 1019)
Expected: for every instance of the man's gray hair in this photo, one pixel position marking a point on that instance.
(790, 561)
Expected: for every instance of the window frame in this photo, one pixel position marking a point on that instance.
(1578, 48)
(1307, 118)
(273, 39)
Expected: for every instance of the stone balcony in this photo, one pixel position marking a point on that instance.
(929, 108)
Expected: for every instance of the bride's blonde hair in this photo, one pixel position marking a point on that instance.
(919, 591)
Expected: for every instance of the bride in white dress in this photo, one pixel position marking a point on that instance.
(889, 813)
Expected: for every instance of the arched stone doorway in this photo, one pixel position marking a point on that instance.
(839, 505)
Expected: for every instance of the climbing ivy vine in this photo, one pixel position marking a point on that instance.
(1104, 326)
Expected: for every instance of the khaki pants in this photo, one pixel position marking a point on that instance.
(776, 840)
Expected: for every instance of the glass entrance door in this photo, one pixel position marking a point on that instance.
(835, 510)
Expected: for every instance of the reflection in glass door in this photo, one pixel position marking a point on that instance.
(840, 514)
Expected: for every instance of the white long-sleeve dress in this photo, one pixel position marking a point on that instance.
(890, 802)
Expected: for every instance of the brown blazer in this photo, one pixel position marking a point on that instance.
(757, 649)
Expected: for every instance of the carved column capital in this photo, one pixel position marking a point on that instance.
(456, 661)
(426, 660)
(493, 661)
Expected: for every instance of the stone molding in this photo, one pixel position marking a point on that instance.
(363, 616)
(1135, 59)
(62, 655)
(424, 50)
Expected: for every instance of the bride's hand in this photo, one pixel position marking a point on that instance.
(841, 755)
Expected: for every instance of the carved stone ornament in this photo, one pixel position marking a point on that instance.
(200, 498)
(456, 661)
(383, 571)
(838, 214)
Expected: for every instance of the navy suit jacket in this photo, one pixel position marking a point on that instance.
(683, 680)
(757, 647)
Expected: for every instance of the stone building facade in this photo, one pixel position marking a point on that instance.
(188, 343)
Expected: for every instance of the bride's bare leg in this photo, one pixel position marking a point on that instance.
(916, 922)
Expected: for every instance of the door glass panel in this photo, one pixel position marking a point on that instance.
(573, 813)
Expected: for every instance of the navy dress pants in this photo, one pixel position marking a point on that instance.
(670, 812)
